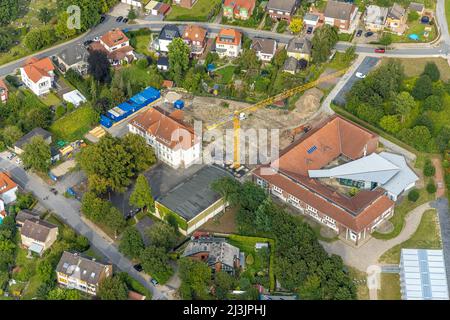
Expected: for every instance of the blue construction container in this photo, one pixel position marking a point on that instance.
(179, 104)
(105, 121)
(145, 97)
(117, 114)
(128, 108)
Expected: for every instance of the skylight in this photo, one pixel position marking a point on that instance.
(312, 149)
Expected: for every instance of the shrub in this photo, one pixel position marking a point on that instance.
(250, 260)
(429, 170)
(142, 63)
(431, 187)
(413, 195)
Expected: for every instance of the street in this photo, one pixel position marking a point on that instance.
(68, 210)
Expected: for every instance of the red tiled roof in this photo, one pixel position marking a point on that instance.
(36, 69)
(114, 37)
(132, 295)
(335, 137)
(231, 33)
(6, 183)
(194, 33)
(237, 4)
(163, 125)
(3, 85)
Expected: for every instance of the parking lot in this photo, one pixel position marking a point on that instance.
(366, 66)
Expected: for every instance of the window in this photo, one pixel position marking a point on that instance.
(309, 208)
(294, 199)
(276, 189)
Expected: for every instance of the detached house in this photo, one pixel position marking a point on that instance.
(38, 235)
(299, 48)
(8, 188)
(117, 47)
(375, 18)
(73, 58)
(228, 43)
(166, 36)
(38, 75)
(216, 252)
(196, 38)
(282, 9)
(265, 48)
(340, 14)
(174, 141)
(77, 272)
(238, 9)
(20, 144)
(3, 92)
(396, 19)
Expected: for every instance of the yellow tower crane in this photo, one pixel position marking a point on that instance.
(264, 103)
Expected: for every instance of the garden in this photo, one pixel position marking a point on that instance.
(202, 11)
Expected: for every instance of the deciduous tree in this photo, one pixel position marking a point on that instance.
(36, 154)
(141, 197)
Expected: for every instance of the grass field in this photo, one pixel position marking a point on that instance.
(51, 99)
(359, 278)
(414, 67)
(427, 236)
(416, 28)
(74, 125)
(199, 12)
(226, 74)
(390, 287)
(401, 211)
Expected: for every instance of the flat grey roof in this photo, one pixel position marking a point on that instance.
(194, 195)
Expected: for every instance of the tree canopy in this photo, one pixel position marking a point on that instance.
(36, 154)
(324, 40)
(131, 243)
(113, 288)
(178, 59)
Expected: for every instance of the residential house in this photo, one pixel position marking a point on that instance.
(417, 7)
(174, 141)
(19, 145)
(311, 19)
(238, 9)
(38, 235)
(228, 43)
(396, 19)
(3, 92)
(299, 48)
(8, 188)
(375, 18)
(290, 65)
(295, 179)
(185, 3)
(134, 3)
(25, 215)
(163, 63)
(73, 58)
(166, 36)
(38, 75)
(133, 295)
(340, 14)
(282, 9)
(265, 48)
(216, 252)
(84, 274)
(196, 38)
(192, 202)
(116, 45)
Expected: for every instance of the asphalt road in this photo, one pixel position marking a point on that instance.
(368, 64)
(68, 210)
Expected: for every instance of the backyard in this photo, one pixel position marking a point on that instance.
(50, 99)
(202, 11)
(74, 125)
(418, 29)
(427, 236)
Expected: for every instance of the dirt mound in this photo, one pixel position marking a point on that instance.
(309, 102)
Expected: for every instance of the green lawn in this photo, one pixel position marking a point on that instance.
(226, 74)
(390, 287)
(401, 211)
(346, 36)
(51, 99)
(199, 12)
(74, 125)
(247, 245)
(359, 278)
(427, 236)
(416, 28)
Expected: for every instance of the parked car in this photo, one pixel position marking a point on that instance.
(119, 19)
(154, 282)
(125, 20)
(96, 39)
(368, 34)
(360, 75)
(54, 191)
(309, 30)
(11, 156)
(380, 50)
(18, 161)
(359, 33)
(102, 18)
(138, 267)
(87, 43)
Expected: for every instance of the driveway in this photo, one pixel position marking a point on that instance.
(68, 210)
(369, 253)
(367, 64)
